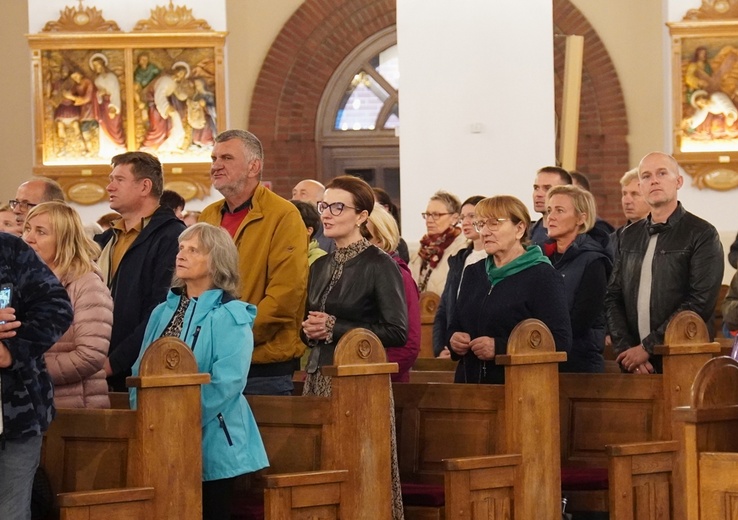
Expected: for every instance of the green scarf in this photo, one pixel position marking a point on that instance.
(532, 256)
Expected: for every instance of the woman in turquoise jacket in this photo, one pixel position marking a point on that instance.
(202, 311)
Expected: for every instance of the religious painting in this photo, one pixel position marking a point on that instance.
(174, 92)
(84, 108)
(705, 99)
(99, 92)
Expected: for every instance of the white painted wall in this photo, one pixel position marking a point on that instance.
(468, 63)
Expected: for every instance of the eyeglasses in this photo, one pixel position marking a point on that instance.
(336, 208)
(493, 224)
(433, 216)
(22, 204)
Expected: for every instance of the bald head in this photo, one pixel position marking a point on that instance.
(308, 190)
(34, 192)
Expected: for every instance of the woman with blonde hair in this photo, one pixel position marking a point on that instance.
(75, 362)
(581, 253)
(384, 233)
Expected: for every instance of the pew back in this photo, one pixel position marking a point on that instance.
(428, 307)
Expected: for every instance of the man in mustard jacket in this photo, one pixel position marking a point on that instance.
(270, 237)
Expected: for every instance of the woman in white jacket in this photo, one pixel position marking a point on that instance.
(75, 362)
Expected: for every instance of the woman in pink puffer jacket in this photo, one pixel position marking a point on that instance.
(75, 362)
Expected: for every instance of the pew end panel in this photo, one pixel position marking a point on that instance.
(706, 471)
(482, 487)
(428, 303)
(641, 480)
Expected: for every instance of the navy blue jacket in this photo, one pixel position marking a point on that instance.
(141, 283)
(483, 310)
(42, 306)
(585, 268)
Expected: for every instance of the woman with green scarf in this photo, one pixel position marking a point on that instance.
(514, 283)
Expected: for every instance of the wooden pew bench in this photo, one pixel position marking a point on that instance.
(143, 464)
(329, 456)
(450, 437)
(313, 444)
(428, 304)
(695, 476)
(597, 410)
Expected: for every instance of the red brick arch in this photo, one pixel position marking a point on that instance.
(321, 33)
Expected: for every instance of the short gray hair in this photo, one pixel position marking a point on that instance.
(249, 141)
(222, 259)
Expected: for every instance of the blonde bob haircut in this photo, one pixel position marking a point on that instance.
(583, 201)
(222, 256)
(385, 231)
(505, 206)
(75, 251)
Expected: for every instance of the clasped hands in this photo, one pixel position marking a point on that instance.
(315, 326)
(483, 347)
(635, 360)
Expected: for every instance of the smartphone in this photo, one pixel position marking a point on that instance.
(6, 296)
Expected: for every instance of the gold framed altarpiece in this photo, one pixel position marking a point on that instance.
(99, 91)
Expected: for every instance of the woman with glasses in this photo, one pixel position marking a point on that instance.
(75, 362)
(357, 285)
(471, 254)
(580, 252)
(515, 282)
(442, 239)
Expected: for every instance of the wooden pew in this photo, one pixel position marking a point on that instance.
(335, 449)
(433, 370)
(428, 307)
(330, 456)
(706, 484)
(601, 409)
(441, 425)
(143, 464)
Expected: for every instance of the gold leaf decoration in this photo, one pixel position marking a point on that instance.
(81, 18)
(171, 18)
(714, 10)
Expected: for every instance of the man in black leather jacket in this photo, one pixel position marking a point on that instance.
(686, 268)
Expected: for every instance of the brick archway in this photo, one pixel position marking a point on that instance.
(603, 152)
(311, 45)
(321, 33)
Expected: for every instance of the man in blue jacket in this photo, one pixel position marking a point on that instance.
(38, 315)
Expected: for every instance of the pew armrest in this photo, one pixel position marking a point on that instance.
(105, 496)
(290, 494)
(640, 473)
(307, 478)
(487, 481)
(96, 505)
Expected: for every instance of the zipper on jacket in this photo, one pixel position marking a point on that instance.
(195, 336)
(222, 422)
